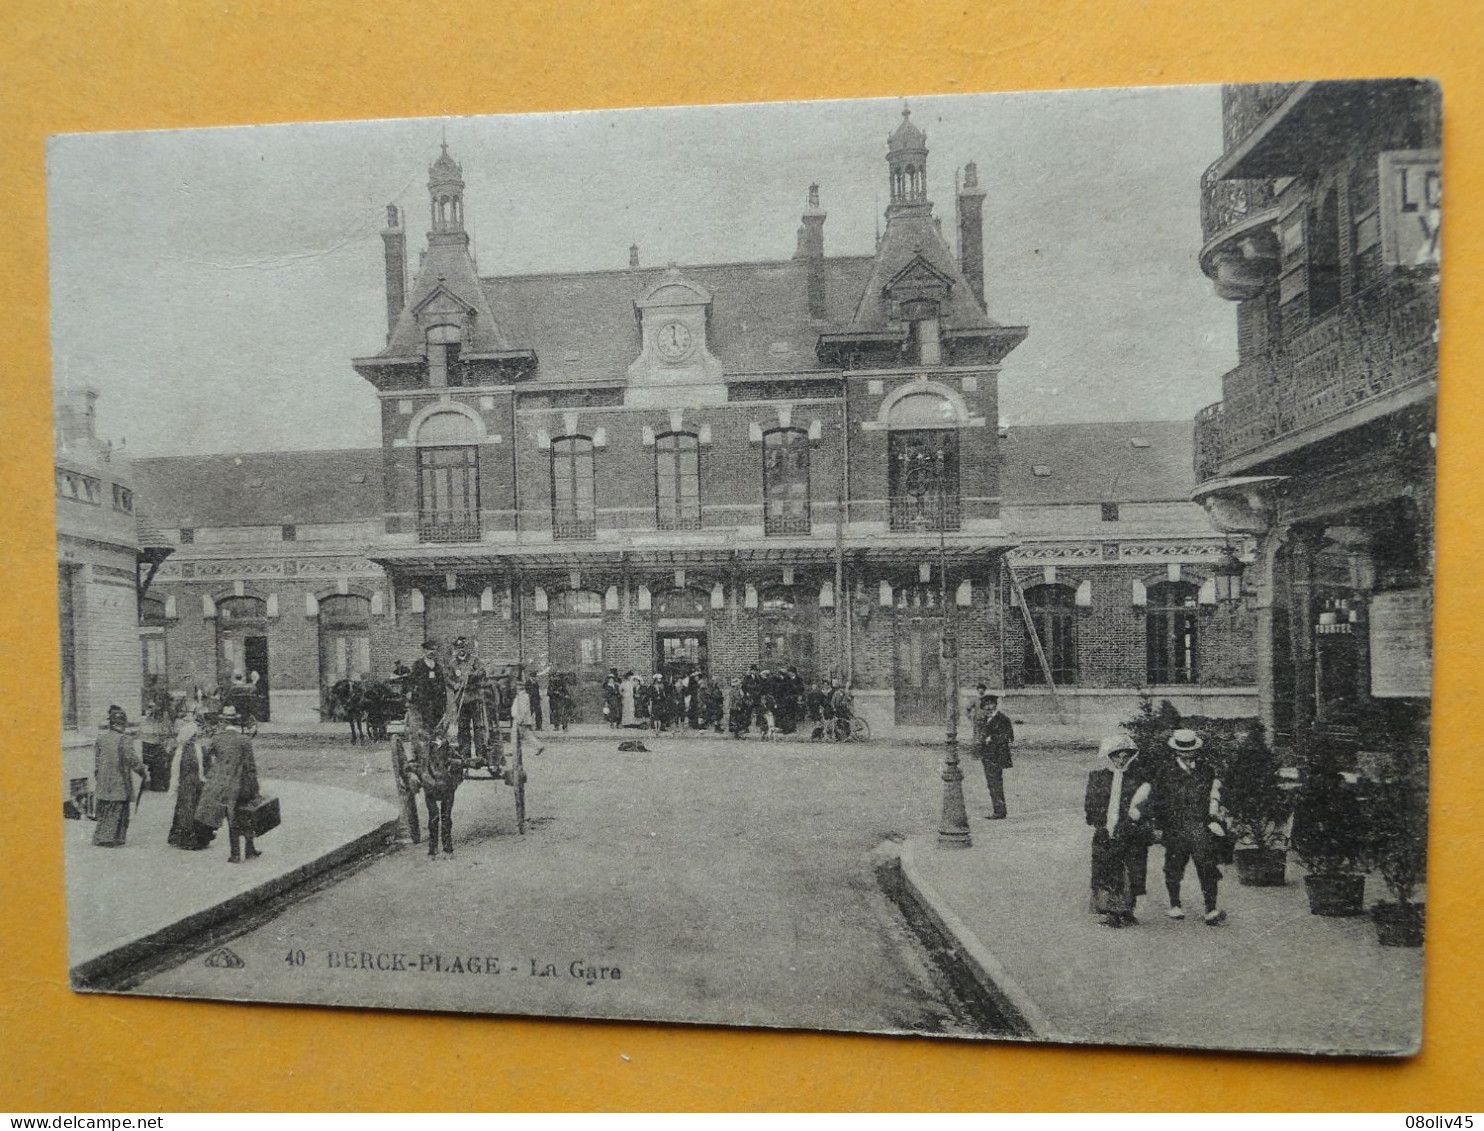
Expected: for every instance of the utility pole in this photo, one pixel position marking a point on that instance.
(953, 824)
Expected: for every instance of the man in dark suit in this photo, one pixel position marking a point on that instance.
(993, 734)
(1187, 801)
(427, 690)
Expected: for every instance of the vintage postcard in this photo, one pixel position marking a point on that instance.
(957, 566)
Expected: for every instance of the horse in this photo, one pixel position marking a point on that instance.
(439, 771)
(380, 703)
(347, 701)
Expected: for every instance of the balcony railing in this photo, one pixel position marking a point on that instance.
(1238, 226)
(448, 526)
(674, 520)
(569, 528)
(791, 521)
(912, 513)
(1378, 343)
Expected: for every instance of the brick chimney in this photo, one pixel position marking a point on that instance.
(811, 250)
(971, 231)
(395, 238)
(633, 255)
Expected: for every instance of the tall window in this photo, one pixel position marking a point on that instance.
(677, 469)
(786, 481)
(448, 494)
(1053, 611)
(788, 622)
(922, 476)
(572, 512)
(344, 638)
(1172, 620)
(152, 625)
(1324, 254)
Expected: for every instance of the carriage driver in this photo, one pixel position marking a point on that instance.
(467, 685)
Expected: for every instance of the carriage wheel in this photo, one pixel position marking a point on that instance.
(406, 796)
(860, 730)
(518, 781)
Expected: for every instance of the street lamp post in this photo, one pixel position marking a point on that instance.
(953, 824)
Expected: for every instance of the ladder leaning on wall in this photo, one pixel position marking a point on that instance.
(1035, 638)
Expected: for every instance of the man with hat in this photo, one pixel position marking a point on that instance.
(426, 686)
(115, 763)
(1187, 804)
(993, 734)
(466, 680)
(231, 780)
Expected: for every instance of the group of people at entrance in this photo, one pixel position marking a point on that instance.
(216, 780)
(775, 701)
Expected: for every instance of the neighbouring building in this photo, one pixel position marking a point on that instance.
(791, 462)
(99, 556)
(1321, 224)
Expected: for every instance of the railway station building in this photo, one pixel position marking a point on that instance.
(791, 462)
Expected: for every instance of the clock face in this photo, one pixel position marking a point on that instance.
(673, 341)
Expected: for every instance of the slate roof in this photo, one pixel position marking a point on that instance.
(1087, 463)
(583, 326)
(260, 488)
(448, 268)
(1098, 462)
(910, 233)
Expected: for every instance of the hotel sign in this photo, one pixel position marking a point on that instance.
(1401, 644)
(1411, 207)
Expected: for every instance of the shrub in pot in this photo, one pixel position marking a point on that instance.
(1332, 842)
(1258, 810)
(1399, 829)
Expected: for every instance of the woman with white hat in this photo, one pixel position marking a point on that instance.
(1117, 796)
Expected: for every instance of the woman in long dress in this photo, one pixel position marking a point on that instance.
(1115, 805)
(184, 831)
(626, 691)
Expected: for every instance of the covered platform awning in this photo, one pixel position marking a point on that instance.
(486, 558)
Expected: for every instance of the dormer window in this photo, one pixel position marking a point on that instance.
(443, 355)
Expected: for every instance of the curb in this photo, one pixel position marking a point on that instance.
(1020, 1012)
(86, 975)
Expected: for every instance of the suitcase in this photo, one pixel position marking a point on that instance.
(258, 816)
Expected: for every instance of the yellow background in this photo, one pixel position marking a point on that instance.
(167, 63)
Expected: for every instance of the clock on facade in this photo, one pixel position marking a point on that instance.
(673, 341)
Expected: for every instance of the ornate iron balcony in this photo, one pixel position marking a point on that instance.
(927, 512)
(448, 526)
(569, 528)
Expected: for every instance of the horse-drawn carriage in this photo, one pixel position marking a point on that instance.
(466, 745)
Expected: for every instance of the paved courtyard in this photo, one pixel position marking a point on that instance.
(707, 881)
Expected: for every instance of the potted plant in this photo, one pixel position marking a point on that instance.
(1330, 840)
(1258, 810)
(1399, 827)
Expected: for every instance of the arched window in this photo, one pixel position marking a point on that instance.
(922, 474)
(1053, 612)
(572, 509)
(447, 478)
(242, 645)
(1171, 625)
(786, 481)
(344, 639)
(788, 624)
(677, 470)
